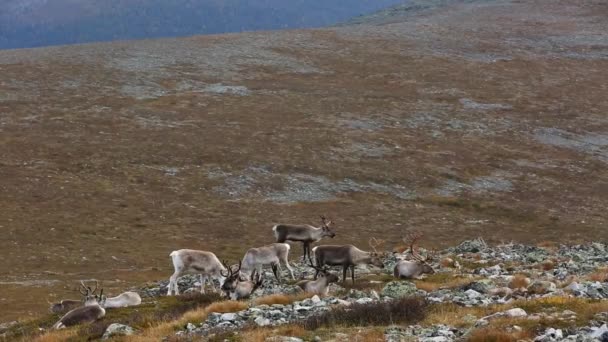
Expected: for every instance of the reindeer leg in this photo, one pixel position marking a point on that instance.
(344, 269)
(203, 281)
(352, 273)
(305, 247)
(286, 261)
(276, 270)
(173, 284)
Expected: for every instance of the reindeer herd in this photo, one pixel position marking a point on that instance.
(241, 280)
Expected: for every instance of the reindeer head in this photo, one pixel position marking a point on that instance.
(324, 272)
(325, 226)
(377, 257)
(232, 277)
(87, 292)
(412, 240)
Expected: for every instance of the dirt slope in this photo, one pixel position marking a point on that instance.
(466, 119)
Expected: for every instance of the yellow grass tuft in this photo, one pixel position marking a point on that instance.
(518, 281)
(601, 275)
(281, 299)
(57, 335)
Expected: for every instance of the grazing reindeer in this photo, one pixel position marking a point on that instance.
(321, 285)
(306, 234)
(235, 288)
(90, 312)
(347, 256)
(406, 269)
(272, 254)
(124, 299)
(69, 304)
(191, 261)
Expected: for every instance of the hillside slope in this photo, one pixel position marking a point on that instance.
(42, 23)
(467, 119)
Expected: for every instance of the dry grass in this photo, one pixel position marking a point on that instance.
(547, 265)
(57, 335)
(373, 335)
(519, 281)
(452, 314)
(165, 328)
(281, 298)
(493, 335)
(601, 275)
(442, 280)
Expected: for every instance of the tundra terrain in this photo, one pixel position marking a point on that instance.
(457, 118)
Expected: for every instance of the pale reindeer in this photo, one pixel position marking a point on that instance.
(236, 288)
(90, 312)
(406, 269)
(273, 255)
(306, 234)
(189, 261)
(347, 256)
(320, 286)
(124, 299)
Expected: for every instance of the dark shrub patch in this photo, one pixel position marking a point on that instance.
(404, 310)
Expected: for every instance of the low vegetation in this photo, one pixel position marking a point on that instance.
(401, 311)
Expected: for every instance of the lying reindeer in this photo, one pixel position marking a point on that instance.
(347, 256)
(235, 287)
(304, 233)
(406, 269)
(90, 312)
(69, 304)
(124, 299)
(321, 285)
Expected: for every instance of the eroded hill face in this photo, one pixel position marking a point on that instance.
(464, 120)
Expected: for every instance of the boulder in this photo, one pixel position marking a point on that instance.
(471, 246)
(398, 289)
(116, 329)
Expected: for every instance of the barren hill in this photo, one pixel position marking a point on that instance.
(465, 119)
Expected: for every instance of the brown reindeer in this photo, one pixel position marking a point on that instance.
(90, 312)
(235, 288)
(406, 269)
(347, 256)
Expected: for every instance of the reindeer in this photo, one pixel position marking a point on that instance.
(90, 312)
(124, 299)
(347, 256)
(306, 234)
(272, 254)
(321, 285)
(236, 288)
(69, 304)
(406, 269)
(191, 261)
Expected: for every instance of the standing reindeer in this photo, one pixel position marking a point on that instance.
(235, 288)
(406, 269)
(191, 261)
(347, 256)
(90, 312)
(273, 254)
(321, 285)
(306, 234)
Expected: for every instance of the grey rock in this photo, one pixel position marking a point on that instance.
(471, 246)
(116, 329)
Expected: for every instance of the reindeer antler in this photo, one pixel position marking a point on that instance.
(86, 290)
(228, 270)
(412, 239)
(373, 243)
